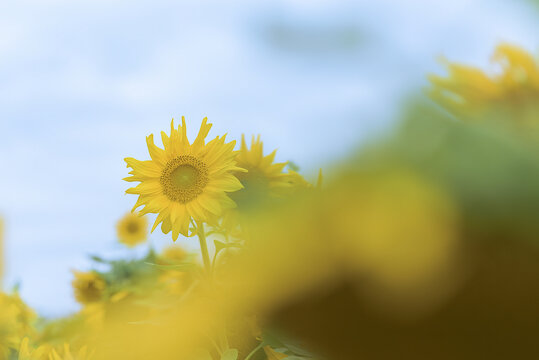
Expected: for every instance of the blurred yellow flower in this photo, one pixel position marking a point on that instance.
(1, 251)
(185, 181)
(263, 180)
(391, 237)
(82, 354)
(16, 322)
(174, 254)
(10, 336)
(175, 282)
(88, 287)
(402, 232)
(263, 176)
(26, 352)
(296, 180)
(298, 183)
(94, 316)
(132, 229)
(25, 315)
(513, 94)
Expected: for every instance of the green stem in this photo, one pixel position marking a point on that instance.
(208, 265)
(254, 351)
(204, 246)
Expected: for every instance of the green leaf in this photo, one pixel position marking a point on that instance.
(274, 340)
(297, 350)
(230, 354)
(99, 259)
(271, 340)
(219, 245)
(16, 287)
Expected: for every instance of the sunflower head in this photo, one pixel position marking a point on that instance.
(174, 254)
(474, 95)
(1, 247)
(66, 353)
(16, 322)
(174, 282)
(88, 287)
(297, 182)
(185, 181)
(264, 179)
(132, 229)
(27, 352)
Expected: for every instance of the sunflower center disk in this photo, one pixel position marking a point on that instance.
(132, 227)
(184, 178)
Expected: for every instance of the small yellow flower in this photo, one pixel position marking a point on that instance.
(175, 282)
(132, 229)
(88, 287)
(174, 254)
(185, 181)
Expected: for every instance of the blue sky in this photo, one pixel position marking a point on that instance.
(82, 84)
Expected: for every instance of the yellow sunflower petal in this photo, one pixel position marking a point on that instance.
(184, 181)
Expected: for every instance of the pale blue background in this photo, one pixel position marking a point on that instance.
(83, 82)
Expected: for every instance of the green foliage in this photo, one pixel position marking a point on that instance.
(128, 274)
(283, 344)
(491, 172)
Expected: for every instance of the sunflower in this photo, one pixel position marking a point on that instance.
(88, 287)
(132, 229)
(9, 328)
(263, 179)
(1, 247)
(174, 281)
(174, 254)
(66, 354)
(27, 352)
(474, 95)
(16, 322)
(185, 181)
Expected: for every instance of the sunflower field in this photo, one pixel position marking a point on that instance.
(422, 243)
